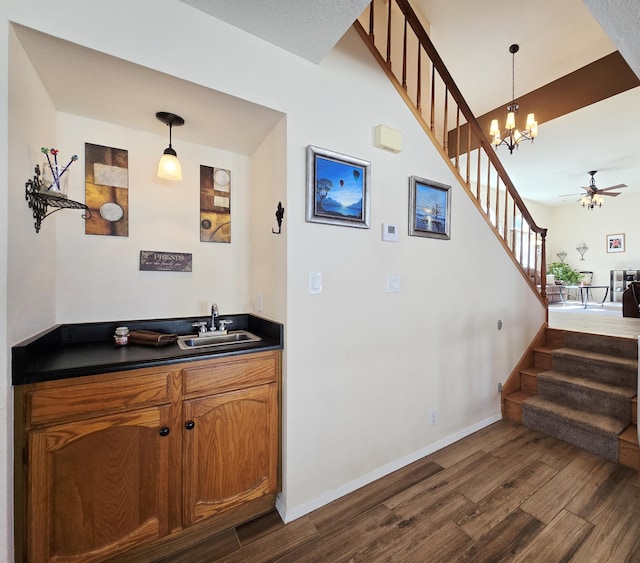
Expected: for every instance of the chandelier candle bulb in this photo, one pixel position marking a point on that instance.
(530, 122)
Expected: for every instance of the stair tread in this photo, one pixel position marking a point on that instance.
(532, 370)
(518, 396)
(630, 434)
(621, 391)
(596, 357)
(547, 348)
(603, 423)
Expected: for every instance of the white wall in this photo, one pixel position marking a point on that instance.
(571, 224)
(99, 276)
(363, 368)
(32, 256)
(268, 279)
(6, 394)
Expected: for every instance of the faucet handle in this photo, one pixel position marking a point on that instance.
(223, 324)
(200, 325)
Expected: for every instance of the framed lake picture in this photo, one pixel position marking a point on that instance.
(429, 209)
(337, 189)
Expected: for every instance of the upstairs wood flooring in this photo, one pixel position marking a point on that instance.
(505, 493)
(595, 319)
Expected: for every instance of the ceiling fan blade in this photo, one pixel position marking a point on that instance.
(568, 195)
(612, 188)
(613, 194)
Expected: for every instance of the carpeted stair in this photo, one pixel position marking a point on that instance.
(585, 399)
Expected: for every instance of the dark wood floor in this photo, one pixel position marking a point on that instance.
(505, 493)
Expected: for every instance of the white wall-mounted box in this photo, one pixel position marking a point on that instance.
(386, 138)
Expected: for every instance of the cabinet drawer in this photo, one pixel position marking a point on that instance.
(110, 393)
(227, 374)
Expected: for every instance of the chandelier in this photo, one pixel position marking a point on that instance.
(512, 136)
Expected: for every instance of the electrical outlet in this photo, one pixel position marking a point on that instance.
(435, 415)
(499, 387)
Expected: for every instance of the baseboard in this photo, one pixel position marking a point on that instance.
(290, 514)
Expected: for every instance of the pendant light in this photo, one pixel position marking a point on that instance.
(169, 165)
(512, 136)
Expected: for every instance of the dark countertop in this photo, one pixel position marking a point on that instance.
(75, 350)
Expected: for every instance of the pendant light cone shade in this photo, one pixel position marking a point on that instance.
(169, 166)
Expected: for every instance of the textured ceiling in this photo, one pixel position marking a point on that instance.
(307, 28)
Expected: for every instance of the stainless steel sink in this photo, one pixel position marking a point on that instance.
(208, 340)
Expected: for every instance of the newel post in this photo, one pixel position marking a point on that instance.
(543, 265)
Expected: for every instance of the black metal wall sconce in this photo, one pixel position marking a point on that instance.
(40, 201)
(279, 217)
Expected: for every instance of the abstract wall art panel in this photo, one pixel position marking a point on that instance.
(107, 190)
(215, 204)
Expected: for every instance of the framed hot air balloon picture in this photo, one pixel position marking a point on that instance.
(338, 189)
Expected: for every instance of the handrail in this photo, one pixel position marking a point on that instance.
(499, 202)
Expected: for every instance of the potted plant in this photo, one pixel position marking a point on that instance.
(564, 273)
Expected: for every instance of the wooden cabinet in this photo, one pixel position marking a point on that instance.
(119, 460)
(230, 451)
(97, 485)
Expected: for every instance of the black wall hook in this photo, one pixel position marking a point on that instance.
(279, 216)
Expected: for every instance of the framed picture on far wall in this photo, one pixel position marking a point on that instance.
(337, 189)
(429, 209)
(615, 243)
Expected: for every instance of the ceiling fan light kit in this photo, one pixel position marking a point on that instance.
(593, 197)
(512, 136)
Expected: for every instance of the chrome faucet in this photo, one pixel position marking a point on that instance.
(214, 317)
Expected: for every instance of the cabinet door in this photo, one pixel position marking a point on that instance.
(230, 450)
(97, 486)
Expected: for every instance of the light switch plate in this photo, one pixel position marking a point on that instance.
(393, 284)
(389, 232)
(315, 283)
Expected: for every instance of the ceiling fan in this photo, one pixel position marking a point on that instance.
(592, 190)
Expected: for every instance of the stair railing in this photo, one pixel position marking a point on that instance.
(399, 42)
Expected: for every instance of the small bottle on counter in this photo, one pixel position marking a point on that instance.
(121, 336)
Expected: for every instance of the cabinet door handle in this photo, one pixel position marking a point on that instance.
(189, 424)
(164, 431)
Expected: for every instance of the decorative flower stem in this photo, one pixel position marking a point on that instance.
(55, 171)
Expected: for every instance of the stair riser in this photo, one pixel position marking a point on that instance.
(567, 430)
(585, 399)
(598, 371)
(529, 383)
(542, 359)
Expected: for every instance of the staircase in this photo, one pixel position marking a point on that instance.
(579, 388)
(582, 389)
